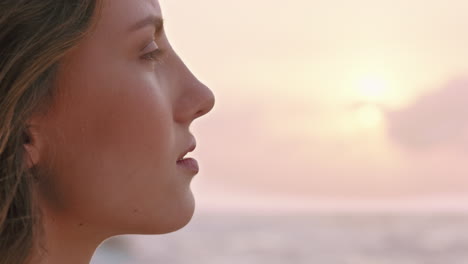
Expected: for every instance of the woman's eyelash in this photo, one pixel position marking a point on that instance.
(153, 56)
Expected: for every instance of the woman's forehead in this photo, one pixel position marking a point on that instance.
(122, 14)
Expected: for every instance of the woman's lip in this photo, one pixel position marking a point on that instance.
(191, 148)
(189, 164)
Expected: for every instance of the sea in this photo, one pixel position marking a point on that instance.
(300, 238)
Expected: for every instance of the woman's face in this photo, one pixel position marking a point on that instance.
(118, 125)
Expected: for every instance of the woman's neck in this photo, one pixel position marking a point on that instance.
(65, 241)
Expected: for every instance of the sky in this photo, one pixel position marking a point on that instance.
(327, 99)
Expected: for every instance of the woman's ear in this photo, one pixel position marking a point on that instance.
(32, 145)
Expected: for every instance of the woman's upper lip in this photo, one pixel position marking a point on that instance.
(191, 148)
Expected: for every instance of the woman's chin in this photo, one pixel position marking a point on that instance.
(179, 217)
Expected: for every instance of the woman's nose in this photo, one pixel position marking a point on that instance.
(194, 101)
(204, 100)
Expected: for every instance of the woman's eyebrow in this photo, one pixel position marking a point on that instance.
(150, 20)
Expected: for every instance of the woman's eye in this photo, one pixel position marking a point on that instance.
(151, 52)
(153, 56)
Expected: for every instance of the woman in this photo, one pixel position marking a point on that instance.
(95, 110)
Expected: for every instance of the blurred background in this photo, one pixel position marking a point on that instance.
(339, 135)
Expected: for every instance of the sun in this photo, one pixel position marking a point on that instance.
(373, 89)
(371, 92)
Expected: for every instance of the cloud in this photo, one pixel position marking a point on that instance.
(437, 119)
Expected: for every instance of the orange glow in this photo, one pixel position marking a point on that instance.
(305, 90)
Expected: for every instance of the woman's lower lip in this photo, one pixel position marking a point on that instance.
(189, 164)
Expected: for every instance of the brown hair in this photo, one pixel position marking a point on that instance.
(34, 36)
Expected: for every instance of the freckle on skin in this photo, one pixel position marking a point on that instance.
(135, 211)
(80, 224)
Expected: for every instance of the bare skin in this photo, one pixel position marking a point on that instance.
(111, 140)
